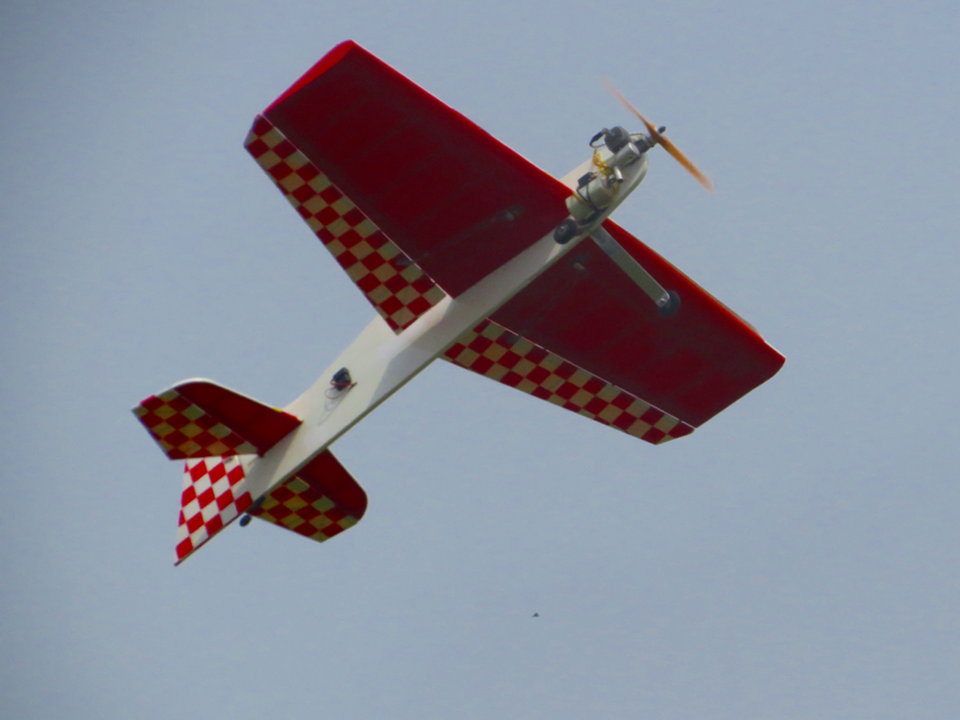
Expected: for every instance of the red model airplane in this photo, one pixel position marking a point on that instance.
(470, 254)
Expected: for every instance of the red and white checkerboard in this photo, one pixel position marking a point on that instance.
(496, 352)
(213, 496)
(391, 281)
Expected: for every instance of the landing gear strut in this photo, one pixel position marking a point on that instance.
(666, 301)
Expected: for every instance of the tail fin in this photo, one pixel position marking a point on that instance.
(318, 501)
(211, 427)
(214, 495)
(217, 430)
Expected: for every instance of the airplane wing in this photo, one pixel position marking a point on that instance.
(411, 198)
(588, 313)
(500, 354)
(415, 201)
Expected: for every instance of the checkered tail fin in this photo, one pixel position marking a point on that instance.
(216, 430)
(318, 501)
(214, 495)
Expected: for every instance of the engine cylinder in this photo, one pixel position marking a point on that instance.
(593, 196)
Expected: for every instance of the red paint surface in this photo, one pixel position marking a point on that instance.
(260, 425)
(691, 365)
(458, 202)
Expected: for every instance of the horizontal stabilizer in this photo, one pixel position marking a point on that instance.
(200, 419)
(321, 500)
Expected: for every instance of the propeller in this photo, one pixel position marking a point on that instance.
(658, 138)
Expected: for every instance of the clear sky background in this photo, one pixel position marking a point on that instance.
(797, 557)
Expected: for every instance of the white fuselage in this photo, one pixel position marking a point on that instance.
(381, 362)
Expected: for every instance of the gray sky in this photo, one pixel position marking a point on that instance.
(797, 557)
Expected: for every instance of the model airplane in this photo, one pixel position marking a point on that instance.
(470, 254)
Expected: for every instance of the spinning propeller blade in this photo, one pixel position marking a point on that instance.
(657, 137)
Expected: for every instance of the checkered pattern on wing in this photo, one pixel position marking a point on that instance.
(184, 430)
(213, 496)
(492, 350)
(298, 506)
(392, 282)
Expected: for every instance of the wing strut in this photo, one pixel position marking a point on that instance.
(667, 301)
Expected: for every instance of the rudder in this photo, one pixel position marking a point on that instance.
(214, 495)
(216, 430)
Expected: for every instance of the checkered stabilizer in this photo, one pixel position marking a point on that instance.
(200, 419)
(318, 501)
(218, 432)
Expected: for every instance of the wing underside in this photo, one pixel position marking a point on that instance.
(398, 289)
(411, 198)
(587, 311)
(499, 354)
(415, 202)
